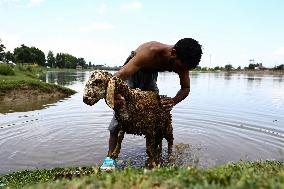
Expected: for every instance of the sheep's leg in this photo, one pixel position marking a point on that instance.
(170, 145)
(116, 151)
(170, 139)
(150, 151)
(158, 150)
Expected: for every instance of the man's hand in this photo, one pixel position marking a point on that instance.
(119, 101)
(167, 103)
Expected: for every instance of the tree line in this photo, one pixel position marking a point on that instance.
(229, 67)
(24, 54)
(33, 55)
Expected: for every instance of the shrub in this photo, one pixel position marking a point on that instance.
(29, 68)
(6, 70)
(25, 68)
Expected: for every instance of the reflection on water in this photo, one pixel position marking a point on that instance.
(63, 78)
(8, 107)
(227, 117)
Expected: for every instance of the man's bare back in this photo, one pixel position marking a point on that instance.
(157, 56)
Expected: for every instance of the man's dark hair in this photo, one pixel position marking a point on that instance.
(189, 52)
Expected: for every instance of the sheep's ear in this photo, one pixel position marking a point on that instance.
(110, 93)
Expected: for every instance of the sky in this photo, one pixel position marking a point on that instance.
(105, 32)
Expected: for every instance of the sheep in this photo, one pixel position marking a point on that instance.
(142, 113)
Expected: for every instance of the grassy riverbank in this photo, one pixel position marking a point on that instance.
(25, 79)
(267, 174)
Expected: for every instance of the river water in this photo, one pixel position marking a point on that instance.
(226, 117)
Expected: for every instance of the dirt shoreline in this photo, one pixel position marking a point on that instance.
(27, 98)
(27, 93)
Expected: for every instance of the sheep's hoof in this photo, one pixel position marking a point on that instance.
(151, 164)
(171, 158)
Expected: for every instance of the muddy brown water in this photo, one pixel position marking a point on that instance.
(227, 117)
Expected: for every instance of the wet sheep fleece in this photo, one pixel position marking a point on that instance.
(142, 114)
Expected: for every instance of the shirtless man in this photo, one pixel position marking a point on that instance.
(141, 71)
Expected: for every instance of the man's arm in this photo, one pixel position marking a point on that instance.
(181, 95)
(168, 102)
(127, 70)
(130, 68)
(185, 87)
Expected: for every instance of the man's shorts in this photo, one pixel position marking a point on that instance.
(142, 79)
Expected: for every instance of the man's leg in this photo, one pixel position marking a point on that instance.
(109, 164)
(113, 136)
(112, 142)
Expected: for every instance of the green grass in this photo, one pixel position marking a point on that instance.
(267, 174)
(6, 70)
(28, 76)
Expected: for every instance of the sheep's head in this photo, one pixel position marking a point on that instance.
(97, 87)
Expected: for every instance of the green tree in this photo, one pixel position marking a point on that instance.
(26, 54)
(251, 66)
(50, 59)
(228, 67)
(2, 52)
(64, 60)
(81, 62)
(22, 54)
(38, 56)
(70, 61)
(60, 60)
(9, 56)
(198, 68)
(217, 68)
(280, 67)
(204, 69)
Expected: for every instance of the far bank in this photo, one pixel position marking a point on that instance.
(20, 85)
